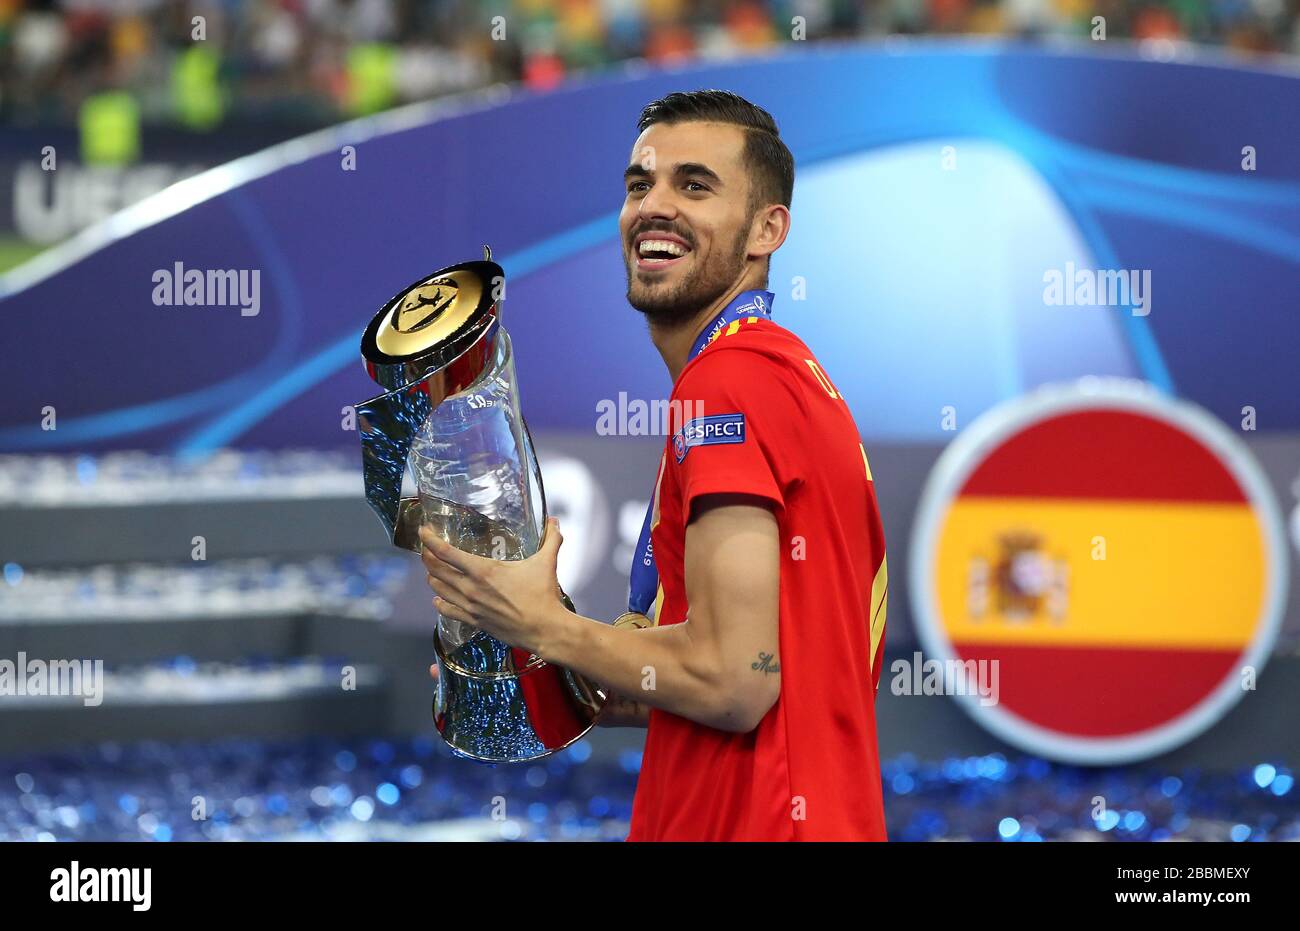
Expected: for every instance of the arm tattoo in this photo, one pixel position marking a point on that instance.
(766, 663)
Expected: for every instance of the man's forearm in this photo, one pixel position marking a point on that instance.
(621, 711)
(656, 666)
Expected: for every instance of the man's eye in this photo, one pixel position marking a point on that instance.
(636, 186)
(696, 186)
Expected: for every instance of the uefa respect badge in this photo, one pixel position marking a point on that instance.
(708, 431)
(1118, 553)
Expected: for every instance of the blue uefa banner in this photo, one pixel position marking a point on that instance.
(970, 221)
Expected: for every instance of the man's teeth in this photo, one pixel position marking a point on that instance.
(660, 245)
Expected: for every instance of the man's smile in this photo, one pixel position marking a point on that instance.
(658, 250)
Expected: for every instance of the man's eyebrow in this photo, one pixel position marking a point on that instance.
(637, 170)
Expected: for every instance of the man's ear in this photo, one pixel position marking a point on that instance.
(768, 230)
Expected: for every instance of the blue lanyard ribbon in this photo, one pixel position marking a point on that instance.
(643, 584)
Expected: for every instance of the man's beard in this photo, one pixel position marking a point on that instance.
(701, 286)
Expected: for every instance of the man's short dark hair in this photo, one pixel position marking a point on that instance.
(765, 154)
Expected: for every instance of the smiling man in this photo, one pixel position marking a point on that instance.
(755, 633)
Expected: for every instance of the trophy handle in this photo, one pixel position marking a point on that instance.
(406, 531)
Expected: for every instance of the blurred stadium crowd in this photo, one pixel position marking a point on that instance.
(315, 61)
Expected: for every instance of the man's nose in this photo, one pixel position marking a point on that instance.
(658, 202)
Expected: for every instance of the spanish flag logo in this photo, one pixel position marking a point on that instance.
(1117, 553)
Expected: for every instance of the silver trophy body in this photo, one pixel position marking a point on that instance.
(451, 416)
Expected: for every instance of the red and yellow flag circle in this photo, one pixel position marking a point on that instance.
(1119, 555)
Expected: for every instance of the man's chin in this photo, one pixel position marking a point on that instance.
(661, 305)
(652, 293)
(668, 297)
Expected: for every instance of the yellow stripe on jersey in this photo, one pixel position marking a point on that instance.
(879, 603)
(654, 514)
(866, 464)
(734, 326)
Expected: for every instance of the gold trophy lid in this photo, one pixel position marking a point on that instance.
(429, 324)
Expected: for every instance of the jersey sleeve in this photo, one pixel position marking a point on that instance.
(736, 421)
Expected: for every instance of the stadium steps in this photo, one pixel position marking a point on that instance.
(88, 535)
(249, 655)
(158, 703)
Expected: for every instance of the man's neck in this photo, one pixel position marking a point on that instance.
(674, 341)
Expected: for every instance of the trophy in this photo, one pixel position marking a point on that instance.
(451, 415)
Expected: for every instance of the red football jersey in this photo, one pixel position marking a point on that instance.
(756, 414)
